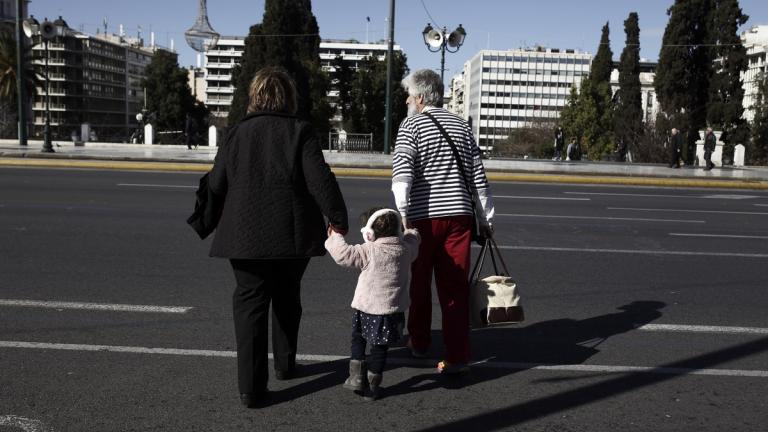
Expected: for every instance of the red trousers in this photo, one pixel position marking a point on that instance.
(445, 248)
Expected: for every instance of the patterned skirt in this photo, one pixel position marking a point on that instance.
(379, 329)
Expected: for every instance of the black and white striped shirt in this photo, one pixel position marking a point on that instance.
(426, 179)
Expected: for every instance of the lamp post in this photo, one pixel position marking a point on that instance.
(21, 95)
(48, 30)
(440, 40)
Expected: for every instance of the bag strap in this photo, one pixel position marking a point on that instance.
(455, 155)
(475, 275)
(494, 248)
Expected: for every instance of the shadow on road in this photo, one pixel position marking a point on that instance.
(561, 341)
(506, 418)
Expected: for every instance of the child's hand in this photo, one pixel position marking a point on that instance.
(330, 230)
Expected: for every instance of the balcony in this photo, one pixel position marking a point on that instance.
(225, 90)
(219, 77)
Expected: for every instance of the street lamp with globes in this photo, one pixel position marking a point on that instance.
(440, 40)
(47, 31)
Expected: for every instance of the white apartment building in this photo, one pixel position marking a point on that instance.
(352, 53)
(755, 40)
(456, 95)
(516, 88)
(650, 103)
(228, 52)
(219, 62)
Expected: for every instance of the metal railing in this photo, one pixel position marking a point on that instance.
(348, 142)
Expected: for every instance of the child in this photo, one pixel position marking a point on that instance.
(381, 296)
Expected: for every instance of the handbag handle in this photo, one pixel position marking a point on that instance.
(494, 246)
(478, 267)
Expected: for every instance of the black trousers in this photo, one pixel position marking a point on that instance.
(259, 283)
(708, 158)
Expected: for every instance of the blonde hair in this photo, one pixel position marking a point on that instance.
(272, 89)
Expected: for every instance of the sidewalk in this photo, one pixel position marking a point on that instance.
(179, 158)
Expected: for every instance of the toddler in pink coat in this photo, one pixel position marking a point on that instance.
(381, 296)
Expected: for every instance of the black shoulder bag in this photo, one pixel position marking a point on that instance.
(476, 236)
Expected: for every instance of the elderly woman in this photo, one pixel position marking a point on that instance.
(277, 188)
(438, 182)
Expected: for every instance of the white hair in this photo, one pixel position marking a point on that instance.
(425, 83)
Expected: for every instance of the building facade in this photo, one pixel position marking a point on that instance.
(94, 80)
(352, 53)
(505, 90)
(219, 63)
(228, 52)
(650, 104)
(755, 40)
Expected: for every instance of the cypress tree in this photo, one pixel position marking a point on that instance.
(602, 65)
(628, 119)
(758, 151)
(341, 79)
(368, 92)
(169, 97)
(598, 94)
(288, 36)
(725, 108)
(685, 64)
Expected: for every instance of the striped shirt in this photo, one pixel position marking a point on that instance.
(426, 179)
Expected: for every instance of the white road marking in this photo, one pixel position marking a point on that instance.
(685, 211)
(96, 306)
(761, 205)
(704, 329)
(541, 198)
(718, 236)
(397, 361)
(598, 218)
(635, 251)
(23, 423)
(157, 186)
(666, 196)
(730, 196)
(631, 194)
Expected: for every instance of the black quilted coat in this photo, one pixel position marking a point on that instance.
(277, 188)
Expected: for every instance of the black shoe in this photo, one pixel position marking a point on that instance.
(254, 400)
(282, 375)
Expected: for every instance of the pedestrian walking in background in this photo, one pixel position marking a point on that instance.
(381, 295)
(436, 161)
(559, 144)
(190, 131)
(710, 142)
(675, 147)
(572, 151)
(276, 187)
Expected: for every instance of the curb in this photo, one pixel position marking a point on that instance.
(133, 165)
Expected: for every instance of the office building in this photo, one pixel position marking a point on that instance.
(94, 80)
(353, 53)
(228, 52)
(518, 88)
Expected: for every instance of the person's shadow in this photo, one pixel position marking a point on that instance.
(560, 341)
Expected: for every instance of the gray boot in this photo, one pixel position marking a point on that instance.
(374, 383)
(357, 380)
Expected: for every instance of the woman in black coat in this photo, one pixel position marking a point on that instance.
(277, 188)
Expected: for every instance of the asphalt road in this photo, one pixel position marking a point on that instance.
(646, 311)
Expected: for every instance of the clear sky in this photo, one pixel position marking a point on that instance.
(493, 24)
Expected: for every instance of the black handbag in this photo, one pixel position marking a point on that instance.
(208, 208)
(477, 237)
